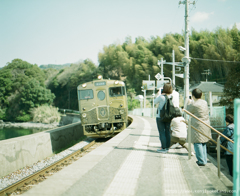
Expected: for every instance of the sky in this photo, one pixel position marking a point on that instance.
(68, 31)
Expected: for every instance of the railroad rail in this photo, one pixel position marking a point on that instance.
(27, 180)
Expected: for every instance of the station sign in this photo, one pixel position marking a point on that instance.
(148, 84)
(160, 83)
(180, 75)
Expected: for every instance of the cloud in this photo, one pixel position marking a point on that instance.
(201, 16)
(238, 25)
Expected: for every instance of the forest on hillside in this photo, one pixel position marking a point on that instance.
(55, 66)
(24, 86)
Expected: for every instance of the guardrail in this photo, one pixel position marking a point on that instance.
(68, 110)
(216, 142)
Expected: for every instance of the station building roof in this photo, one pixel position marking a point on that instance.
(208, 86)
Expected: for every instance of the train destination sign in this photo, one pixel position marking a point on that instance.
(100, 83)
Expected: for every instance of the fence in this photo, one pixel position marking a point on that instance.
(218, 115)
(236, 157)
(144, 112)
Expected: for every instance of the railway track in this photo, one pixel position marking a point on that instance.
(32, 180)
(26, 183)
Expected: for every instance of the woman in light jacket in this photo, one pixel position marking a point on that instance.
(164, 127)
(199, 108)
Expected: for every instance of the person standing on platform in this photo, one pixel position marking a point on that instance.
(199, 108)
(229, 131)
(164, 127)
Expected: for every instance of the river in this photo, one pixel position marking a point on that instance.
(7, 133)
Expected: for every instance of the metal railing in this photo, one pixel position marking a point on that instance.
(68, 110)
(216, 142)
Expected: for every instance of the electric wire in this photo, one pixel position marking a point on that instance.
(193, 7)
(223, 61)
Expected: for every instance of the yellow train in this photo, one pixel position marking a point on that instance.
(103, 107)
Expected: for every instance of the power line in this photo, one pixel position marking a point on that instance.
(214, 60)
(194, 6)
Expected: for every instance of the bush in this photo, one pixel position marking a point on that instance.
(24, 118)
(45, 114)
(2, 114)
(133, 103)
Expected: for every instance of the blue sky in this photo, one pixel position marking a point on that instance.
(66, 31)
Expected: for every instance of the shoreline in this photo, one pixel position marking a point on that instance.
(28, 125)
(65, 120)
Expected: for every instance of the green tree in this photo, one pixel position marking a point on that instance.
(22, 87)
(112, 61)
(33, 95)
(132, 102)
(231, 88)
(64, 84)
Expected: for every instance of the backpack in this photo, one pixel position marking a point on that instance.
(168, 111)
(225, 142)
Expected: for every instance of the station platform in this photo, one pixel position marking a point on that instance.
(129, 164)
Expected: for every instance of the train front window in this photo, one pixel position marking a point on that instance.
(116, 91)
(85, 94)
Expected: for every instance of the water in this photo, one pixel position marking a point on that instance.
(7, 133)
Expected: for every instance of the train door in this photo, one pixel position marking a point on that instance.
(102, 111)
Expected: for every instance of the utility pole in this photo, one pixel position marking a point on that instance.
(207, 72)
(173, 67)
(186, 59)
(161, 62)
(173, 63)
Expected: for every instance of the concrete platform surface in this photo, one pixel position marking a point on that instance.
(129, 164)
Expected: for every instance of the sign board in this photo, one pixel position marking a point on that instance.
(158, 76)
(180, 75)
(148, 84)
(139, 97)
(161, 83)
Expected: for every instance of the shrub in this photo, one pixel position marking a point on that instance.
(45, 114)
(23, 118)
(2, 113)
(133, 103)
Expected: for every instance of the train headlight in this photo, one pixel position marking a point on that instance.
(84, 85)
(99, 77)
(116, 82)
(121, 112)
(84, 115)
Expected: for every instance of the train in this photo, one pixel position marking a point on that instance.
(103, 107)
